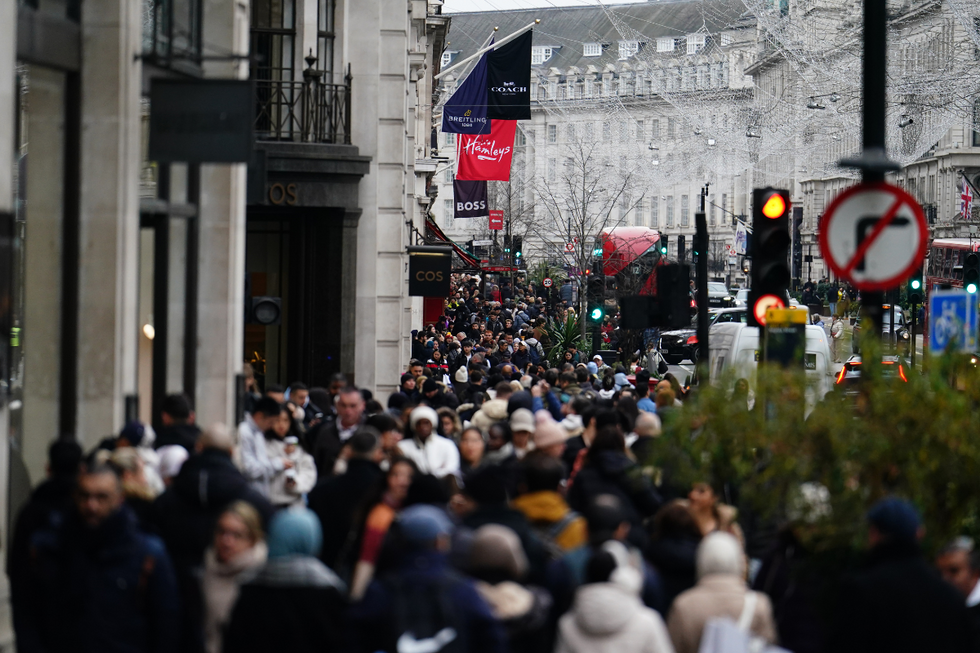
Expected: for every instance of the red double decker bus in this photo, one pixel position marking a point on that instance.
(944, 267)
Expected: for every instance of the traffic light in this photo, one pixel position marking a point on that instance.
(681, 247)
(769, 249)
(915, 287)
(595, 297)
(517, 243)
(506, 244)
(664, 240)
(971, 272)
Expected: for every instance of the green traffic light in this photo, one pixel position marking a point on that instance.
(597, 313)
(971, 288)
(916, 284)
(663, 250)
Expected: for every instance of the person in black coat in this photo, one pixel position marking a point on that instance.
(186, 513)
(295, 603)
(435, 397)
(897, 602)
(53, 496)
(673, 547)
(95, 582)
(608, 470)
(337, 499)
(178, 424)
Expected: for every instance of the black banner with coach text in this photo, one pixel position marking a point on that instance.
(509, 80)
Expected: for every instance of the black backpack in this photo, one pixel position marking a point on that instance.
(425, 618)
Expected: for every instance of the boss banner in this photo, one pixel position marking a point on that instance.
(428, 271)
(469, 198)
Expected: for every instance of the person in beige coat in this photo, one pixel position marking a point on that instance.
(238, 551)
(720, 592)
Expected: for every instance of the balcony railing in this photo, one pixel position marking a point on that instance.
(303, 112)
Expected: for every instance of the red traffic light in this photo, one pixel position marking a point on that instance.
(774, 207)
(763, 304)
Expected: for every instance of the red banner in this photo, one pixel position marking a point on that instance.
(496, 219)
(487, 156)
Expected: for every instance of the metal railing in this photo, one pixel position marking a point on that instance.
(303, 112)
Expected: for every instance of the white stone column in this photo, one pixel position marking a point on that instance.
(109, 215)
(42, 262)
(221, 277)
(375, 40)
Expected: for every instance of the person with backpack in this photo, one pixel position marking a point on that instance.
(559, 528)
(422, 604)
(721, 592)
(607, 615)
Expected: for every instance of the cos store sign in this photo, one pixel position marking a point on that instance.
(428, 271)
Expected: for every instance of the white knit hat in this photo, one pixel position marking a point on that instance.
(420, 413)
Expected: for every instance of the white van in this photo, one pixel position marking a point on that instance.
(734, 350)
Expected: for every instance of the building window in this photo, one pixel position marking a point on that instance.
(540, 54)
(521, 138)
(570, 133)
(671, 128)
(670, 211)
(325, 35)
(607, 85)
(685, 211)
(447, 58)
(273, 32)
(623, 131)
(450, 138)
(655, 212)
(665, 44)
(592, 50)
(552, 170)
(589, 132)
(552, 133)
(640, 134)
(448, 175)
(606, 132)
(711, 211)
(447, 208)
(695, 42)
(638, 213)
(628, 48)
(655, 126)
(724, 205)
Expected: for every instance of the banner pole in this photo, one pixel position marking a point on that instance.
(478, 53)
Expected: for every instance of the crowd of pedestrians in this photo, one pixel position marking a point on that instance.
(491, 504)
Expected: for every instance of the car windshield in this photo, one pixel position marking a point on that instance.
(717, 287)
(742, 294)
(887, 316)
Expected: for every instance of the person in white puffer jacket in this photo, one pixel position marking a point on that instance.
(608, 615)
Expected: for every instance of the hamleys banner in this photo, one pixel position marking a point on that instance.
(487, 156)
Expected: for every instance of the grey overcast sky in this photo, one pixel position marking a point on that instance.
(455, 6)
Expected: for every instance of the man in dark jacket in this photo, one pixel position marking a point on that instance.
(422, 604)
(178, 424)
(897, 603)
(52, 497)
(435, 397)
(96, 582)
(337, 499)
(185, 516)
(959, 564)
(329, 439)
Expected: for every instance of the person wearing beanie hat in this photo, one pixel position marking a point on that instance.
(549, 436)
(498, 563)
(433, 395)
(293, 588)
(522, 428)
(897, 602)
(406, 611)
(431, 453)
(409, 388)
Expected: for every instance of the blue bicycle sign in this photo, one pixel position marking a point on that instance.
(952, 320)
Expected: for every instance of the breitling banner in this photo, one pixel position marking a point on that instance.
(469, 199)
(487, 156)
(466, 111)
(509, 80)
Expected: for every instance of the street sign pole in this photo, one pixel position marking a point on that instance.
(873, 160)
(701, 247)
